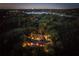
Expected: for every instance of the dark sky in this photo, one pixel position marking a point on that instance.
(40, 5)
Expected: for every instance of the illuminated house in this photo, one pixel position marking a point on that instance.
(36, 40)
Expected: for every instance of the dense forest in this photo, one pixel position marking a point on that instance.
(18, 28)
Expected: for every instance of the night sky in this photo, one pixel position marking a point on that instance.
(39, 5)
